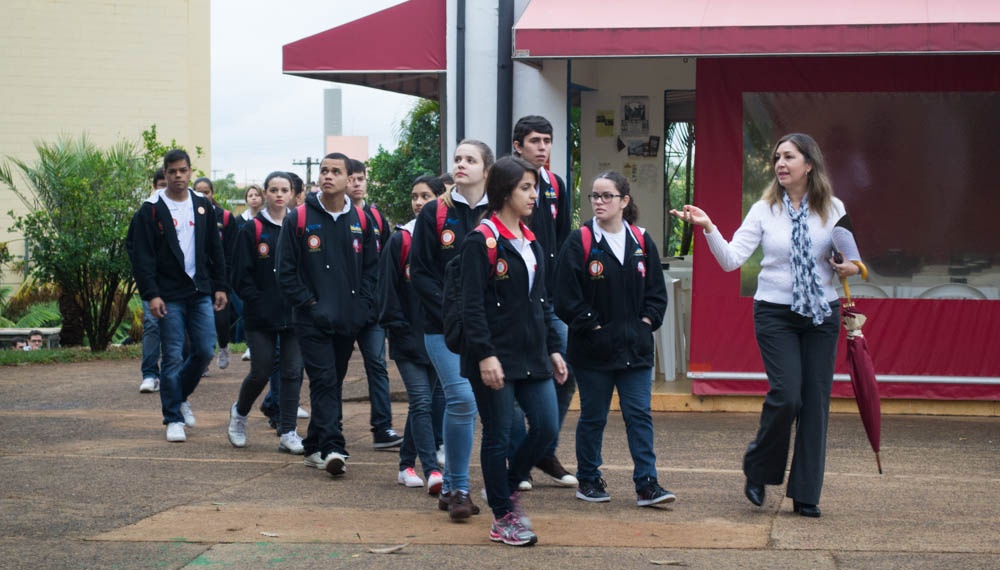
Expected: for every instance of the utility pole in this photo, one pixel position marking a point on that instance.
(308, 163)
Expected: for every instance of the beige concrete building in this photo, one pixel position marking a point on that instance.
(107, 69)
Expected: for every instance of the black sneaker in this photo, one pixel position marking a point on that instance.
(593, 491)
(652, 493)
(385, 439)
(553, 468)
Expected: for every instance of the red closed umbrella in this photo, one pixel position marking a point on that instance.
(859, 359)
(862, 372)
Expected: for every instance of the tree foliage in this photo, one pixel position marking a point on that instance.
(80, 200)
(391, 174)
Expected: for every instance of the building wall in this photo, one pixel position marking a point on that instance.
(611, 79)
(107, 69)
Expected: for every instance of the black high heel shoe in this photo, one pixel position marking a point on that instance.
(754, 493)
(805, 509)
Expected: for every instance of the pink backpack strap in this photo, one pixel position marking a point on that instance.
(491, 250)
(639, 238)
(300, 220)
(404, 248)
(258, 228)
(441, 215)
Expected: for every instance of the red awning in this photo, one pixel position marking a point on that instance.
(596, 28)
(400, 49)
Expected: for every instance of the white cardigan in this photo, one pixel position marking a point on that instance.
(771, 228)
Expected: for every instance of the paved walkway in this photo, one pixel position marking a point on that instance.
(89, 482)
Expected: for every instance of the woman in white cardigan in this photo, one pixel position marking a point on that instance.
(796, 319)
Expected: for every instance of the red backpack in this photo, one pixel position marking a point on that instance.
(554, 183)
(587, 238)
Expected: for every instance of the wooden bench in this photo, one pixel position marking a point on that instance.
(50, 336)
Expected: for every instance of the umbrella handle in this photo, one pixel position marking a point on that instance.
(847, 292)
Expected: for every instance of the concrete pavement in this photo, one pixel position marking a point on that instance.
(89, 482)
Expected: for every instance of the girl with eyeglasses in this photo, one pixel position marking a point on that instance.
(613, 297)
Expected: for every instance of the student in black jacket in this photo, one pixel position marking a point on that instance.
(439, 232)
(180, 269)
(328, 268)
(613, 297)
(550, 222)
(228, 226)
(403, 320)
(268, 318)
(510, 348)
(371, 337)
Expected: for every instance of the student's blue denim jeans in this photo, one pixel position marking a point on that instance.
(195, 318)
(418, 437)
(371, 343)
(150, 343)
(503, 470)
(459, 414)
(634, 395)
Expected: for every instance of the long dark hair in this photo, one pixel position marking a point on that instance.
(631, 212)
(503, 178)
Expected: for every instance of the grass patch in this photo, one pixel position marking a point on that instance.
(58, 355)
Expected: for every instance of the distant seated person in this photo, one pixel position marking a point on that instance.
(34, 340)
(20, 344)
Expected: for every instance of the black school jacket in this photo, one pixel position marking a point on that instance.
(329, 273)
(432, 251)
(551, 231)
(499, 317)
(157, 260)
(253, 277)
(602, 291)
(402, 315)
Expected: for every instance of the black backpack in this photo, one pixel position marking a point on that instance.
(451, 304)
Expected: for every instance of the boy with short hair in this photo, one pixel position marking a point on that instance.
(327, 266)
(177, 261)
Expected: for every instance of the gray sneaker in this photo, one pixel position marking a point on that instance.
(509, 530)
(189, 420)
(223, 358)
(237, 428)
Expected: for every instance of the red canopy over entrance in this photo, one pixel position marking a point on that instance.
(400, 49)
(570, 28)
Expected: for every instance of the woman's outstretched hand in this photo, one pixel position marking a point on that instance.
(694, 215)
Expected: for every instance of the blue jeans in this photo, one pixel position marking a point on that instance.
(459, 413)
(564, 395)
(326, 357)
(371, 342)
(150, 343)
(195, 318)
(418, 436)
(564, 392)
(265, 355)
(538, 400)
(634, 395)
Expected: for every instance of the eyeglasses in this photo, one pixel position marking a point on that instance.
(606, 197)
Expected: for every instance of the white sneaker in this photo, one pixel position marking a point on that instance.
(237, 428)
(441, 457)
(302, 414)
(189, 420)
(434, 482)
(223, 358)
(314, 460)
(524, 486)
(291, 442)
(246, 355)
(336, 464)
(409, 478)
(175, 432)
(149, 385)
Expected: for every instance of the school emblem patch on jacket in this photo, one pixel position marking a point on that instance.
(596, 269)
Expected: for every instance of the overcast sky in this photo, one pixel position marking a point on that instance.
(262, 120)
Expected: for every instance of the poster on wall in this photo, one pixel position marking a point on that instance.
(645, 148)
(635, 116)
(604, 123)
